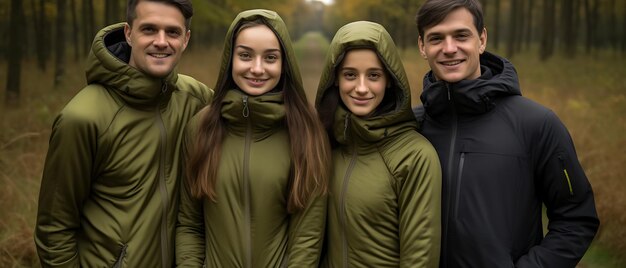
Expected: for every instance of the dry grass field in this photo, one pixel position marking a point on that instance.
(588, 93)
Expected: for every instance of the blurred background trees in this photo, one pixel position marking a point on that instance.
(45, 29)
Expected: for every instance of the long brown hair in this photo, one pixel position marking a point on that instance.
(310, 150)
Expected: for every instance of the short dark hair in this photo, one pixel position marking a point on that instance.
(433, 12)
(184, 6)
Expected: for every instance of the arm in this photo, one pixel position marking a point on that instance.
(568, 197)
(190, 239)
(419, 203)
(306, 234)
(65, 185)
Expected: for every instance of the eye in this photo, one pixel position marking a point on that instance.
(174, 33)
(374, 76)
(245, 56)
(272, 58)
(462, 36)
(349, 75)
(435, 39)
(148, 30)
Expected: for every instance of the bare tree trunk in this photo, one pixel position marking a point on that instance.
(546, 48)
(612, 35)
(89, 28)
(512, 36)
(569, 32)
(496, 24)
(41, 34)
(519, 18)
(591, 17)
(15, 53)
(624, 31)
(529, 24)
(59, 63)
(75, 31)
(112, 11)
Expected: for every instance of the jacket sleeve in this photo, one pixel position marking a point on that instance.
(419, 204)
(65, 185)
(306, 234)
(190, 235)
(567, 194)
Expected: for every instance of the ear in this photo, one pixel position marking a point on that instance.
(483, 41)
(420, 45)
(127, 31)
(186, 41)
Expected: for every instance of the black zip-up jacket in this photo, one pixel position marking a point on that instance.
(502, 156)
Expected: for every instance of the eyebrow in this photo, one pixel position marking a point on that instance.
(168, 27)
(266, 51)
(465, 30)
(354, 69)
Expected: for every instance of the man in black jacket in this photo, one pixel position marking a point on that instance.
(502, 155)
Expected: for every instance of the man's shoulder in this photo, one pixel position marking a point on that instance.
(194, 88)
(92, 104)
(525, 108)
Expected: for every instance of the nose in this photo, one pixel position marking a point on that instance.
(449, 46)
(257, 66)
(361, 86)
(160, 40)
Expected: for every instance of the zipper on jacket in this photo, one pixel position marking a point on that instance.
(448, 178)
(458, 185)
(344, 189)
(120, 258)
(165, 202)
(569, 182)
(247, 236)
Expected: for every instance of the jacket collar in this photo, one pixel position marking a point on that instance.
(107, 64)
(477, 96)
(264, 114)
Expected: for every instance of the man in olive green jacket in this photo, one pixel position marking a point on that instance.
(109, 192)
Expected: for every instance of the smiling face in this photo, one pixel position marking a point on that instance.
(257, 60)
(158, 38)
(362, 81)
(453, 47)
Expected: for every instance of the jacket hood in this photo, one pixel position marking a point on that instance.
(365, 34)
(277, 25)
(498, 79)
(107, 64)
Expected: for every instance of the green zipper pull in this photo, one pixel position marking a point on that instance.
(246, 109)
(163, 88)
(569, 182)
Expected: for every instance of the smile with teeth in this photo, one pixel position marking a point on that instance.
(159, 55)
(451, 63)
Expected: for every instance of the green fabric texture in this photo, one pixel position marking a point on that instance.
(384, 204)
(248, 225)
(109, 192)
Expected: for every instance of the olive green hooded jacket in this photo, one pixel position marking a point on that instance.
(248, 225)
(110, 186)
(384, 203)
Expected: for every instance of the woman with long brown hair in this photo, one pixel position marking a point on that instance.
(257, 159)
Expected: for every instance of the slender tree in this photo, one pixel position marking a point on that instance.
(624, 30)
(612, 35)
(568, 34)
(513, 27)
(591, 18)
(15, 53)
(75, 32)
(546, 46)
(88, 21)
(528, 20)
(496, 24)
(59, 62)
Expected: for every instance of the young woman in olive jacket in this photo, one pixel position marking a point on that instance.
(384, 202)
(257, 159)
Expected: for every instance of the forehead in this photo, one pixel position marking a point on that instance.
(361, 58)
(458, 19)
(158, 13)
(258, 36)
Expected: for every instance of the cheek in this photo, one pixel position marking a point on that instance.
(276, 69)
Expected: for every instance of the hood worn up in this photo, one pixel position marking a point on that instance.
(277, 25)
(498, 79)
(107, 64)
(365, 34)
